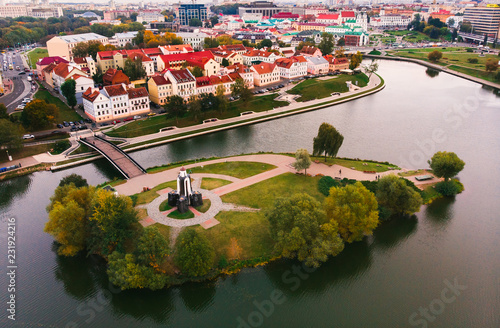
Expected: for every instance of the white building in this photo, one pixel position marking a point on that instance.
(293, 67)
(196, 40)
(317, 65)
(62, 46)
(183, 82)
(30, 11)
(390, 21)
(265, 73)
(150, 16)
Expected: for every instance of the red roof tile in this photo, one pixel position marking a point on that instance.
(160, 80)
(264, 68)
(137, 93)
(115, 90)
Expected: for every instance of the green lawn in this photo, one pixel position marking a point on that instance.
(262, 194)
(164, 230)
(412, 172)
(164, 206)
(249, 230)
(181, 216)
(317, 89)
(239, 170)
(65, 113)
(212, 183)
(356, 164)
(23, 152)
(155, 123)
(148, 196)
(37, 54)
(205, 207)
(476, 73)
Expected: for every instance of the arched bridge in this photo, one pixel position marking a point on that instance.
(123, 162)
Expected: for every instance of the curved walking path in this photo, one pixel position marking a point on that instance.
(283, 164)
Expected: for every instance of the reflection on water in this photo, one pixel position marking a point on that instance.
(431, 72)
(440, 211)
(345, 268)
(390, 233)
(13, 188)
(198, 297)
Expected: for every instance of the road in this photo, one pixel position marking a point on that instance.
(22, 88)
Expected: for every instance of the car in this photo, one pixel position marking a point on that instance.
(128, 119)
(214, 120)
(151, 114)
(20, 107)
(116, 121)
(71, 123)
(336, 94)
(60, 126)
(88, 120)
(162, 111)
(22, 73)
(81, 121)
(82, 127)
(26, 69)
(65, 123)
(231, 98)
(26, 100)
(73, 128)
(28, 136)
(104, 124)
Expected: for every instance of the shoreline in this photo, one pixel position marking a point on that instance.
(444, 69)
(160, 140)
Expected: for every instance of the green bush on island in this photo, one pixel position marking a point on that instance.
(354, 208)
(194, 254)
(301, 230)
(449, 188)
(75, 179)
(395, 195)
(446, 164)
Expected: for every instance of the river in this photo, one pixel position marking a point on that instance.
(388, 280)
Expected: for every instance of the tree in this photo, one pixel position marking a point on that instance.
(328, 141)
(197, 71)
(435, 55)
(194, 106)
(356, 60)
(176, 106)
(10, 135)
(38, 115)
(299, 227)
(266, 43)
(152, 248)
(326, 44)
(446, 164)
(354, 208)
(372, 68)
(208, 102)
(102, 29)
(77, 180)
(68, 222)
(341, 42)
(210, 43)
(302, 160)
(222, 101)
(454, 35)
(194, 254)
(68, 89)
(125, 272)
(394, 194)
(491, 65)
(225, 62)
(340, 52)
(112, 222)
(3, 112)
(240, 89)
(134, 69)
(451, 23)
(195, 22)
(214, 20)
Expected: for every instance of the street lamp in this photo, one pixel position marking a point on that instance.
(8, 156)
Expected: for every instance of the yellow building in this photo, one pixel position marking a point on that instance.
(62, 46)
(159, 89)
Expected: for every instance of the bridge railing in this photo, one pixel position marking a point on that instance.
(123, 153)
(85, 142)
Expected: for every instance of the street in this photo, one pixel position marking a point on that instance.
(22, 88)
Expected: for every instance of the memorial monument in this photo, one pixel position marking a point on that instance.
(184, 196)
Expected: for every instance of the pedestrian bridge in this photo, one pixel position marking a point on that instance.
(123, 162)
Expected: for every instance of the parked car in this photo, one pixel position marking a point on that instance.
(88, 120)
(60, 126)
(128, 119)
(82, 127)
(81, 121)
(28, 136)
(26, 100)
(20, 107)
(336, 94)
(65, 123)
(74, 128)
(151, 114)
(136, 117)
(104, 124)
(22, 73)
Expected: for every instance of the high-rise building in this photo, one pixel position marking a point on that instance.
(186, 12)
(484, 20)
(266, 8)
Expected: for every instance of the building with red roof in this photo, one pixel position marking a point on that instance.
(160, 89)
(183, 82)
(329, 19)
(291, 68)
(265, 73)
(46, 61)
(337, 64)
(202, 59)
(114, 76)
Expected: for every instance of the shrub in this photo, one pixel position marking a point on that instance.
(469, 50)
(325, 183)
(472, 60)
(449, 188)
(435, 55)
